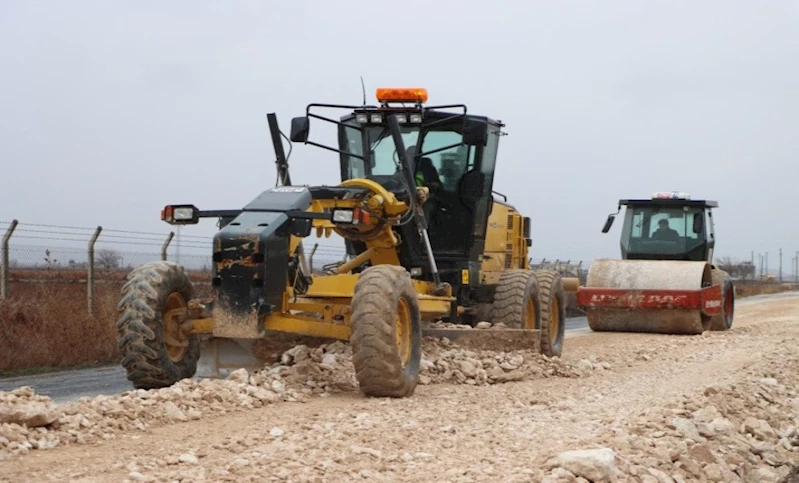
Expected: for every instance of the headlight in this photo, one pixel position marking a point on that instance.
(361, 118)
(183, 214)
(416, 118)
(180, 214)
(342, 216)
(376, 118)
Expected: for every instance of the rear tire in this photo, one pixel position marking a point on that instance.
(386, 332)
(155, 351)
(724, 320)
(553, 312)
(517, 300)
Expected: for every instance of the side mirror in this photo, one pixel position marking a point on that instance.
(475, 133)
(299, 129)
(608, 223)
(699, 223)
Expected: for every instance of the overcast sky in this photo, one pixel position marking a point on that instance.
(113, 109)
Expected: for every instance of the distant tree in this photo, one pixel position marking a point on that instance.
(108, 259)
(737, 269)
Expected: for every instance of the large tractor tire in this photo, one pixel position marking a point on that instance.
(157, 350)
(723, 321)
(386, 332)
(553, 312)
(517, 300)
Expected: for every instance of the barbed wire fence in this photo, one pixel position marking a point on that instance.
(36, 253)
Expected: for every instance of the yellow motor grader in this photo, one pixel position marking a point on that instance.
(426, 240)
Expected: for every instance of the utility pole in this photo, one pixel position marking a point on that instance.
(766, 272)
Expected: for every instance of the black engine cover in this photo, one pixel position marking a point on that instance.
(251, 258)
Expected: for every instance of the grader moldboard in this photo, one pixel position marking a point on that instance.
(666, 281)
(445, 250)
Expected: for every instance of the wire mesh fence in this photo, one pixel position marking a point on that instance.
(566, 268)
(52, 253)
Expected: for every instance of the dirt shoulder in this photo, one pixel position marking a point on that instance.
(717, 407)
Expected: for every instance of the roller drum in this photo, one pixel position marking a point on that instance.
(648, 275)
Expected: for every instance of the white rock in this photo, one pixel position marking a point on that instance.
(188, 459)
(706, 414)
(483, 325)
(278, 386)
(766, 475)
(239, 375)
(467, 368)
(173, 412)
(660, 476)
(761, 429)
(32, 414)
(276, 432)
(136, 476)
(687, 429)
(713, 472)
(329, 360)
(594, 464)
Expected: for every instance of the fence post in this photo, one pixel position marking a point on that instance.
(166, 245)
(90, 275)
(5, 268)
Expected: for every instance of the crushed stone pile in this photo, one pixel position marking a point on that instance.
(444, 362)
(745, 432)
(29, 421)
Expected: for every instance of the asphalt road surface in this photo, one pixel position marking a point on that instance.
(70, 385)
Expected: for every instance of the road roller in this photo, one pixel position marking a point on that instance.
(666, 281)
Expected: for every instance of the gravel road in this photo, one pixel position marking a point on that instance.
(617, 407)
(109, 380)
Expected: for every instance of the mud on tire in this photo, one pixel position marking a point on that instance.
(516, 290)
(553, 312)
(724, 320)
(150, 361)
(385, 303)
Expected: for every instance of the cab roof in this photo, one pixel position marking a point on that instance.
(669, 202)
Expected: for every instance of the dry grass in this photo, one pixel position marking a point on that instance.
(46, 325)
(749, 288)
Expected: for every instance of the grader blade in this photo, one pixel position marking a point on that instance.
(219, 357)
(656, 296)
(489, 339)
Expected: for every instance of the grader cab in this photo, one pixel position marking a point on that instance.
(425, 237)
(666, 281)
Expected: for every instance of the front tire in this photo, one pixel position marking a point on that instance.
(157, 350)
(386, 332)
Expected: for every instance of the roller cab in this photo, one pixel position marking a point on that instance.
(665, 281)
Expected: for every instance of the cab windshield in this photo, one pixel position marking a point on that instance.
(450, 159)
(659, 230)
